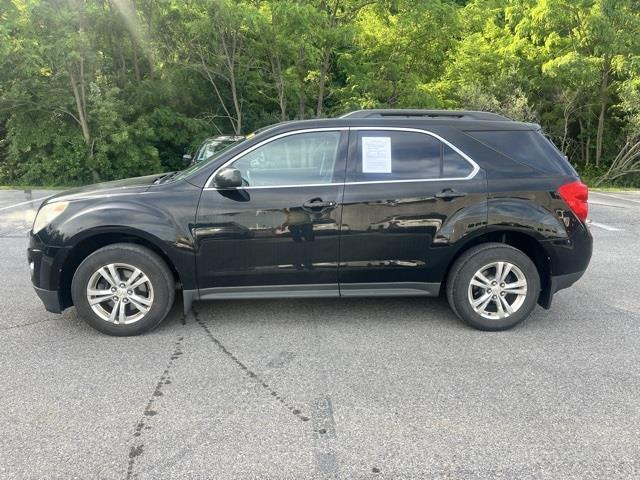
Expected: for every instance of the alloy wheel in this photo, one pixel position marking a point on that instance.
(120, 293)
(497, 290)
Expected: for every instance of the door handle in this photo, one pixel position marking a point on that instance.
(317, 204)
(448, 193)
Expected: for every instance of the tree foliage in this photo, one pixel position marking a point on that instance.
(102, 89)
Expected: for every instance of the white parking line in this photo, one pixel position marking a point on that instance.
(593, 202)
(23, 203)
(606, 227)
(616, 197)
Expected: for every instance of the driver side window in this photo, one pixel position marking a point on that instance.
(299, 159)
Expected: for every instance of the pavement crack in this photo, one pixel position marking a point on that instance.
(22, 325)
(324, 429)
(324, 425)
(151, 410)
(248, 372)
(623, 311)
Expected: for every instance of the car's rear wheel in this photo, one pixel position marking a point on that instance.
(493, 286)
(123, 289)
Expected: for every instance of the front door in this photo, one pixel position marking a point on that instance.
(408, 196)
(278, 234)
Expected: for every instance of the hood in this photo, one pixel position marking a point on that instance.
(107, 189)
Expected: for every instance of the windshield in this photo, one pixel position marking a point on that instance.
(199, 165)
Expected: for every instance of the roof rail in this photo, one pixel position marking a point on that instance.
(416, 113)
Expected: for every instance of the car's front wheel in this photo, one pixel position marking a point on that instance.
(123, 289)
(493, 286)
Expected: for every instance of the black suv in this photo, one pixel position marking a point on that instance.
(375, 203)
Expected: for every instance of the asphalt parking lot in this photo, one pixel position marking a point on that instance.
(328, 388)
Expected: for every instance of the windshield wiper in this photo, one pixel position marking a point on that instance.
(165, 178)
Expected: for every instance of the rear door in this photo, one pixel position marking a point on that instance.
(409, 195)
(278, 234)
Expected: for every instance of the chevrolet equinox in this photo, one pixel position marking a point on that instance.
(474, 205)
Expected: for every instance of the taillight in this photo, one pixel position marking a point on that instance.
(576, 195)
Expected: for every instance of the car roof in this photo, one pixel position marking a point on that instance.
(426, 114)
(460, 120)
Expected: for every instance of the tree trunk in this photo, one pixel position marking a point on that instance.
(283, 105)
(302, 101)
(231, 54)
(236, 103)
(80, 107)
(282, 91)
(582, 152)
(322, 81)
(302, 106)
(279, 83)
(567, 112)
(283, 109)
(604, 94)
(136, 63)
(600, 132)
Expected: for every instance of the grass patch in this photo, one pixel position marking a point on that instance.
(614, 189)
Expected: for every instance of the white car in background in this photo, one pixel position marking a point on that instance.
(210, 146)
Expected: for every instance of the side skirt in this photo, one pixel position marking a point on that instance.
(399, 289)
(330, 290)
(271, 291)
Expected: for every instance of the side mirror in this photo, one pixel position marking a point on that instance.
(228, 178)
(186, 158)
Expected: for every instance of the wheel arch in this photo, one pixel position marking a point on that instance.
(524, 242)
(87, 245)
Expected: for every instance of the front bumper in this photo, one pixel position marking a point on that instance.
(45, 267)
(50, 299)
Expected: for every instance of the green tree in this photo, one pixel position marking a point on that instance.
(397, 51)
(583, 45)
(110, 88)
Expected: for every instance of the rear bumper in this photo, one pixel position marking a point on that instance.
(50, 299)
(568, 260)
(570, 257)
(557, 283)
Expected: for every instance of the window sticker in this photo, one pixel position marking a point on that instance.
(376, 154)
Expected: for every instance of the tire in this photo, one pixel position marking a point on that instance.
(145, 305)
(485, 259)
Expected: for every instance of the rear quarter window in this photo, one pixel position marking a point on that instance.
(528, 147)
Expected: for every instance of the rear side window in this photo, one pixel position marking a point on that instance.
(528, 147)
(383, 155)
(453, 165)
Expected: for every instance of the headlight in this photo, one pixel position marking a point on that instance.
(47, 214)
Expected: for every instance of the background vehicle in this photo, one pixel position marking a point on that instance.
(210, 146)
(376, 203)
